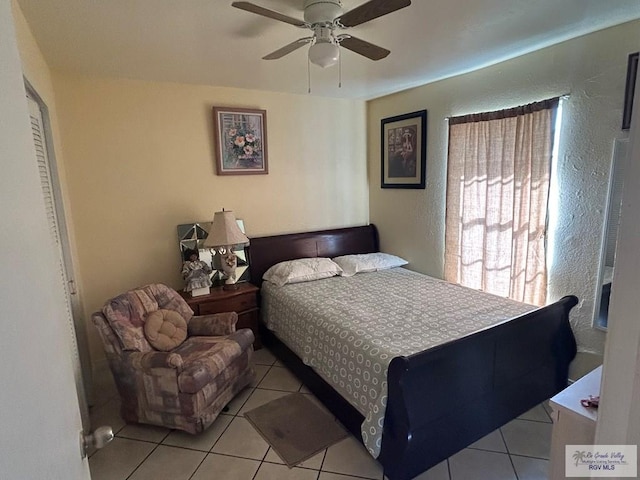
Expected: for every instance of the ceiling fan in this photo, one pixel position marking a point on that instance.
(324, 17)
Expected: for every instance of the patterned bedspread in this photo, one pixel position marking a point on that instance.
(349, 329)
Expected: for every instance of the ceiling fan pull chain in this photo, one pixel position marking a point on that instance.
(309, 74)
(340, 70)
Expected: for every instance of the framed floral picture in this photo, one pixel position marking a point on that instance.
(240, 136)
(404, 150)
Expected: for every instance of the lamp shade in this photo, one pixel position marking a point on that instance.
(324, 54)
(225, 231)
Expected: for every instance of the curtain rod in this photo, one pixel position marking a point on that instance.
(564, 96)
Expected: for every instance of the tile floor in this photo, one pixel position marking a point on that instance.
(232, 450)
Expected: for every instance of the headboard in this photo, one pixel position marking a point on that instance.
(264, 252)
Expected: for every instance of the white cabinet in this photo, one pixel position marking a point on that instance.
(573, 424)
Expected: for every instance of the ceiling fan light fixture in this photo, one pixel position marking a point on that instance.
(324, 17)
(324, 54)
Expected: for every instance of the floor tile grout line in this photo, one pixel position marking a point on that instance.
(256, 472)
(529, 456)
(191, 449)
(504, 441)
(237, 414)
(199, 465)
(234, 416)
(261, 462)
(485, 450)
(139, 440)
(346, 474)
(142, 462)
(233, 456)
(513, 466)
(277, 390)
(324, 457)
(277, 463)
(533, 421)
(222, 433)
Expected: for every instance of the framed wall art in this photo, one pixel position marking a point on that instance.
(632, 73)
(404, 150)
(240, 137)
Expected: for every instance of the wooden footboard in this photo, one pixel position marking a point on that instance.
(446, 398)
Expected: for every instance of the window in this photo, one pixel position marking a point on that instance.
(499, 166)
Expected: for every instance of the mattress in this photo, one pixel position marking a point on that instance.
(348, 329)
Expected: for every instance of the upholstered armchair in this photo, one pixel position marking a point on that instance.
(172, 368)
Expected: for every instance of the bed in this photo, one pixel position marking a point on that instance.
(446, 397)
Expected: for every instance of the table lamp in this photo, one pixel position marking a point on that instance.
(223, 237)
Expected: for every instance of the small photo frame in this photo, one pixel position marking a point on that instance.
(632, 73)
(240, 136)
(404, 150)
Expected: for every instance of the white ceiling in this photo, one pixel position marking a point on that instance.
(209, 42)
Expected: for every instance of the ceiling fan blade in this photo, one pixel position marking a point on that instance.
(363, 48)
(370, 10)
(281, 52)
(265, 12)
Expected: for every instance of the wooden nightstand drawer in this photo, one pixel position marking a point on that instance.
(238, 304)
(243, 301)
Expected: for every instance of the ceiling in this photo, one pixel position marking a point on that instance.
(211, 43)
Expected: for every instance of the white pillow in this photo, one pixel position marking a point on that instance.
(367, 262)
(301, 270)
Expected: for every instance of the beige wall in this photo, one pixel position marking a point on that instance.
(139, 160)
(136, 159)
(34, 66)
(592, 70)
(37, 73)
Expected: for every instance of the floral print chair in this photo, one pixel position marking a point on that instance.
(172, 368)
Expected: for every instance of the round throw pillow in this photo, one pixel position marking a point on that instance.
(165, 329)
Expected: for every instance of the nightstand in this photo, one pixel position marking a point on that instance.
(573, 424)
(243, 301)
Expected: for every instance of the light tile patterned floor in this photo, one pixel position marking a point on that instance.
(232, 450)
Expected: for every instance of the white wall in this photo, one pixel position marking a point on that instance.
(592, 69)
(38, 405)
(619, 413)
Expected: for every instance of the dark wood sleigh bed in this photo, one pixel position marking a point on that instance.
(443, 399)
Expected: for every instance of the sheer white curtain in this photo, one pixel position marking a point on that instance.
(499, 167)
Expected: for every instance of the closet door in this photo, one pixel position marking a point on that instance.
(58, 236)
